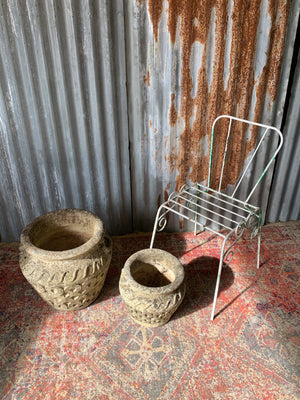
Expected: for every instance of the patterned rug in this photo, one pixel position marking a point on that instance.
(249, 351)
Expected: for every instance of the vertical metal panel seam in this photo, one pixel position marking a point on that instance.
(126, 34)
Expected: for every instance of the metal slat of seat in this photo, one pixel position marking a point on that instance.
(199, 214)
(211, 210)
(232, 199)
(227, 199)
(215, 205)
(194, 222)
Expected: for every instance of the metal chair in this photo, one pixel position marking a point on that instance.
(212, 207)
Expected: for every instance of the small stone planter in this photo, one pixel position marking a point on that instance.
(152, 286)
(65, 256)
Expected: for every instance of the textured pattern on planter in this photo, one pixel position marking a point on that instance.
(66, 277)
(152, 286)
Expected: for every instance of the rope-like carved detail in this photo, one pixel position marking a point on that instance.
(74, 284)
(148, 309)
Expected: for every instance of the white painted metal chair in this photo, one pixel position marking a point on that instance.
(208, 207)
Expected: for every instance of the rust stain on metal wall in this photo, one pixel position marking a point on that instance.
(245, 19)
(279, 23)
(214, 97)
(269, 80)
(172, 158)
(180, 223)
(189, 12)
(173, 112)
(155, 10)
(147, 79)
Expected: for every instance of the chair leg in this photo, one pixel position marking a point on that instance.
(155, 226)
(218, 280)
(195, 229)
(258, 247)
(154, 232)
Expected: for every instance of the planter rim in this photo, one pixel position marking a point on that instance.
(149, 290)
(63, 254)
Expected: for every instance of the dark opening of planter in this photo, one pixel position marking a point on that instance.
(62, 238)
(151, 275)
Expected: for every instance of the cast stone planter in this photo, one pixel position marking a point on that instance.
(152, 286)
(65, 256)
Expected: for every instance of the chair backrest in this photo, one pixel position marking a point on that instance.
(236, 145)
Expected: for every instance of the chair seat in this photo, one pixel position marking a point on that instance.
(212, 210)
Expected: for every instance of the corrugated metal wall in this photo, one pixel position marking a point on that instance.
(63, 112)
(284, 204)
(190, 61)
(72, 134)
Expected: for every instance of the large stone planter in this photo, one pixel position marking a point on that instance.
(65, 256)
(152, 286)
